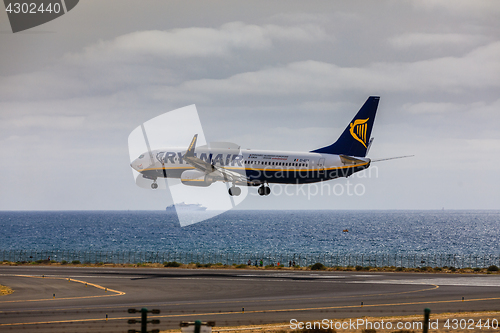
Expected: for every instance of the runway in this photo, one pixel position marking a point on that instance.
(77, 299)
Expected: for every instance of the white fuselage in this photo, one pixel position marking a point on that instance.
(259, 166)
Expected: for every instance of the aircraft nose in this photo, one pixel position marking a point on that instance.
(137, 165)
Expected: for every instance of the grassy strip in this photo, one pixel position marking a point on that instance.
(318, 266)
(5, 290)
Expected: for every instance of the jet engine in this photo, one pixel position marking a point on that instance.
(196, 178)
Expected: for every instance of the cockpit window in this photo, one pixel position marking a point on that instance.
(141, 156)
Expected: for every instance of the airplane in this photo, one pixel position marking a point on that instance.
(226, 162)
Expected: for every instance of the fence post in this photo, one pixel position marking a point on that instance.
(427, 312)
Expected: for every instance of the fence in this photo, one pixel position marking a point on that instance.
(410, 260)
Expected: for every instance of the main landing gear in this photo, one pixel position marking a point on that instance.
(234, 191)
(264, 190)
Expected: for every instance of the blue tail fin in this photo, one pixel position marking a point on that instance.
(355, 138)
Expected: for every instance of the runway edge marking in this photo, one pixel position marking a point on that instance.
(254, 301)
(117, 292)
(256, 311)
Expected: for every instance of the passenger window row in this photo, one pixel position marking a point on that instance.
(276, 163)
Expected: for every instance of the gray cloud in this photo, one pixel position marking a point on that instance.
(460, 7)
(476, 70)
(198, 42)
(264, 78)
(439, 40)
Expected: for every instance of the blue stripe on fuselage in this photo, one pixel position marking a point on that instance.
(270, 175)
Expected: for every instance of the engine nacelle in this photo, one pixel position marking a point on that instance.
(196, 178)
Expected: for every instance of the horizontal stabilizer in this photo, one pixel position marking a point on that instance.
(350, 160)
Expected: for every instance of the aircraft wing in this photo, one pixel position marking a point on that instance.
(219, 172)
(199, 164)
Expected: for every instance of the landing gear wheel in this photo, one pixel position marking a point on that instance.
(264, 190)
(261, 190)
(154, 186)
(234, 191)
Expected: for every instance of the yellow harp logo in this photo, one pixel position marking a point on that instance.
(358, 130)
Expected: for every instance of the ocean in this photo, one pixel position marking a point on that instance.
(307, 232)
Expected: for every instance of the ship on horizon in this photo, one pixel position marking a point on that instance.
(182, 206)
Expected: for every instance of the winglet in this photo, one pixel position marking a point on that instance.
(192, 146)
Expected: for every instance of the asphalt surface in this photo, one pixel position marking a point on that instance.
(84, 296)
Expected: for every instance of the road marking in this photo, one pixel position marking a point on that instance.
(117, 292)
(243, 301)
(254, 311)
(477, 281)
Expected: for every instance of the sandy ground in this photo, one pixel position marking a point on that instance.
(428, 270)
(440, 323)
(5, 290)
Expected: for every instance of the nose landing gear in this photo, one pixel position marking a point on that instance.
(264, 190)
(154, 186)
(234, 191)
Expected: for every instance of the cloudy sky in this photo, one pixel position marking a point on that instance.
(281, 75)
